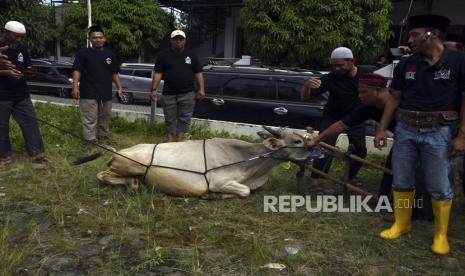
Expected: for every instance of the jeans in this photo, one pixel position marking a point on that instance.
(356, 137)
(24, 114)
(430, 146)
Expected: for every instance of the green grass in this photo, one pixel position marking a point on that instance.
(55, 210)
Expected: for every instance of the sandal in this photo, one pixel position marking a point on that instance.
(40, 158)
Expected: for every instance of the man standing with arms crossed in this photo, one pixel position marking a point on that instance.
(94, 70)
(178, 67)
(428, 91)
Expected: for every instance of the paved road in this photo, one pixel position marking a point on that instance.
(117, 106)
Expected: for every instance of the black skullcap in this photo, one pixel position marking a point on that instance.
(432, 21)
(95, 29)
(455, 37)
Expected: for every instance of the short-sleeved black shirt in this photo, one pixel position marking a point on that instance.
(343, 94)
(178, 69)
(11, 89)
(430, 88)
(97, 68)
(363, 113)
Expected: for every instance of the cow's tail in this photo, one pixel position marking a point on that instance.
(92, 157)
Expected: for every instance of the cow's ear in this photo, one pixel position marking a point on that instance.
(273, 143)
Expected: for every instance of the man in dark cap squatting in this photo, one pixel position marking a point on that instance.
(94, 70)
(427, 90)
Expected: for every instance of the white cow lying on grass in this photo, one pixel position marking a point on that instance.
(202, 168)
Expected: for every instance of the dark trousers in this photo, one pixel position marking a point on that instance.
(24, 114)
(356, 137)
(385, 186)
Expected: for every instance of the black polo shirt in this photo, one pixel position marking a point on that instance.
(97, 68)
(430, 88)
(343, 94)
(366, 112)
(11, 89)
(178, 69)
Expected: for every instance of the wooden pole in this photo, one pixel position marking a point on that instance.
(340, 182)
(354, 157)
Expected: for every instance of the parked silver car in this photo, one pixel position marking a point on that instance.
(136, 80)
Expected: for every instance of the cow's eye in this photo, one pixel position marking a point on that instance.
(296, 141)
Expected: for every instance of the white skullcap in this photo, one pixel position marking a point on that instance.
(178, 33)
(15, 27)
(342, 52)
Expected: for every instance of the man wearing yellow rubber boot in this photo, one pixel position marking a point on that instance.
(426, 90)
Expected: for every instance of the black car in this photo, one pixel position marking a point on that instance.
(52, 78)
(257, 95)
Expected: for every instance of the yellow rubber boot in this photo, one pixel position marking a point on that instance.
(441, 211)
(403, 206)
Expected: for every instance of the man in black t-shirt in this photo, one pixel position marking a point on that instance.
(14, 96)
(94, 70)
(342, 84)
(428, 92)
(178, 67)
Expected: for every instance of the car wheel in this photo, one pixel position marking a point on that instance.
(127, 98)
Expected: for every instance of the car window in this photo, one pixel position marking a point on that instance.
(142, 73)
(253, 88)
(67, 71)
(125, 72)
(214, 82)
(289, 91)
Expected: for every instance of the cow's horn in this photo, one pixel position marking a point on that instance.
(300, 135)
(276, 133)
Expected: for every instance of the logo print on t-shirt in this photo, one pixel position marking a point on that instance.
(20, 57)
(442, 74)
(188, 60)
(108, 60)
(410, 71)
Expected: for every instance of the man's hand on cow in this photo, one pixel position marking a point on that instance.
(380, 140)
(457, 147)
(200, 94)
(153, 95)
(75, 93)
(310, 144)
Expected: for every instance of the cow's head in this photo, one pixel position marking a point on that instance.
(285, 145)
